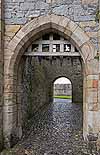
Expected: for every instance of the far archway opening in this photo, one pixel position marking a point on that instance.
(62, 90)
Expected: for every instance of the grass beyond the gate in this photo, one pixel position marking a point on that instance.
(63, 97)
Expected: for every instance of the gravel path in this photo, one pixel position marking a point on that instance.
(56, 130)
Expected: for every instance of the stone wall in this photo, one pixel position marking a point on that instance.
(19, 12)
(83, 12)
(62, 89)
(35, 89)
(70, 68)
(98, 141)
(1, 70)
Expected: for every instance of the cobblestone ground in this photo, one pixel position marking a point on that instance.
(57, 130)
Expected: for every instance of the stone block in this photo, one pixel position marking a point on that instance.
(1, 134)
(94, 121)
(41, 5)
(98, 142)
(87, 24)
(10, 108)
(30, 26)
(92, 67)
(6, 44)
(12, 28)
(92, 34)
(9, 124)
(72, 26)
(9, 34)
(0, 25)
(34, 14)
(47, 19)
(26, 6)
(79, 37)
(7, 38)
(9, 88)
(48, 1)
(13, 44)
(92, 77)
(88, 51)
(92, 83)
(89, 1)
(64, 22)
(92, 95)
(68, 33)
(8, 15)
(89, 83)
(93, 106)
(8, 98)
(62, 10)
(84, 18)
(95, 83)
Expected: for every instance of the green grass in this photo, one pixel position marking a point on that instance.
(63, 97)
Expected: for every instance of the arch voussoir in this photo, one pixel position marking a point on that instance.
(79, 36)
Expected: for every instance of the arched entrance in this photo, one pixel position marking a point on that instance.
(30, 32)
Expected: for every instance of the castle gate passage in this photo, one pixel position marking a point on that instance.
(17, 49)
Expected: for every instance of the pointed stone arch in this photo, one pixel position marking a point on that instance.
(16, 48)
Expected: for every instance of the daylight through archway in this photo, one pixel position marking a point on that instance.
(62, 90)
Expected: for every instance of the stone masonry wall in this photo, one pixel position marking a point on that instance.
(19, 12)
(1, 70)
(62, 89)
(35, 89)
(98, 141)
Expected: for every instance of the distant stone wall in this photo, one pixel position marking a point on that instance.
(62, 89)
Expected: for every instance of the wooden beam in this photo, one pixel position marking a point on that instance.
(52, 54)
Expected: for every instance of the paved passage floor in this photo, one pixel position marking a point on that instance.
(55, 130)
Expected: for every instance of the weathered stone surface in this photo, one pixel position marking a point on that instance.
(95, 83)
(88, 24)
(92, 34)
(62, 89)
(80, 18)
(92, 95)
(98, 142)
(89, 1)
(18, 12)
(93, 120)
(93, 107)
(87, 55)
(1, 72)
(77, 34)
(12, 28)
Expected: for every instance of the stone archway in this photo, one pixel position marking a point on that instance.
(16, 49)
